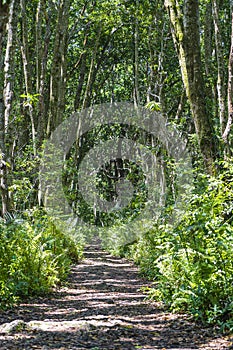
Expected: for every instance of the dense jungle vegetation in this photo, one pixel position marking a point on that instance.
(173, 58)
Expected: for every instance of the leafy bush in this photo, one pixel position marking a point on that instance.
(191, 263)
(34, 256)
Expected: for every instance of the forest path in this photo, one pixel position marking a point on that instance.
(102, 307)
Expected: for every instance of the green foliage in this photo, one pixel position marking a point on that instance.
(153, 106)
(30, 99)
(34, 256)
(23, 184)
(108, 177)
(191, 263)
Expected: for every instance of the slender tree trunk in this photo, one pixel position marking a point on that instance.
(220, 66)
(58, 71)
(42, 52)
(136, 96)
(181, 105)
(156, 46)
(80, 81)
(209, 50)
(92, 73)
(4, 11)
(208, 32)
(27, 73)
(6, 18)
(83, 66)
(9, 67)
(150, 67)
(226, 133)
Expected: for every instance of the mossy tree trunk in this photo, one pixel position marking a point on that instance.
(186, 36)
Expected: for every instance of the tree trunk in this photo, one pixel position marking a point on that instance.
(220, 65)
(27, 73)
(80, 81)
(92, 73)
(6, 14)
(58, 71)
(226, 133)
(186, 36)
(42, 60)
(136, 97)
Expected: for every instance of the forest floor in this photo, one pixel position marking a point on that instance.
(102, 307)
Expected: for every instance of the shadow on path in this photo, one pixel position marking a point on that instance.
(102, 307)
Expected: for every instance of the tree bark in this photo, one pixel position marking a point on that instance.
(58, 71)
(226, 133)
(220, 66)
(42, 60)
(27, 73)
(92, 73)
(186, 36)
(9, 67)
(6, 13)
(136, 96)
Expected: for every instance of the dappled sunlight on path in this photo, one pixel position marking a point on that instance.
(102, 307)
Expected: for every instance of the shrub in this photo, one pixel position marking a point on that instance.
(191, 263)
(34, 257)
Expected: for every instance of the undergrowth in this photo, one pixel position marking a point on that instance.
(34, 256)
(191, 263)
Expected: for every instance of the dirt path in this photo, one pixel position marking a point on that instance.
(102, 308)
